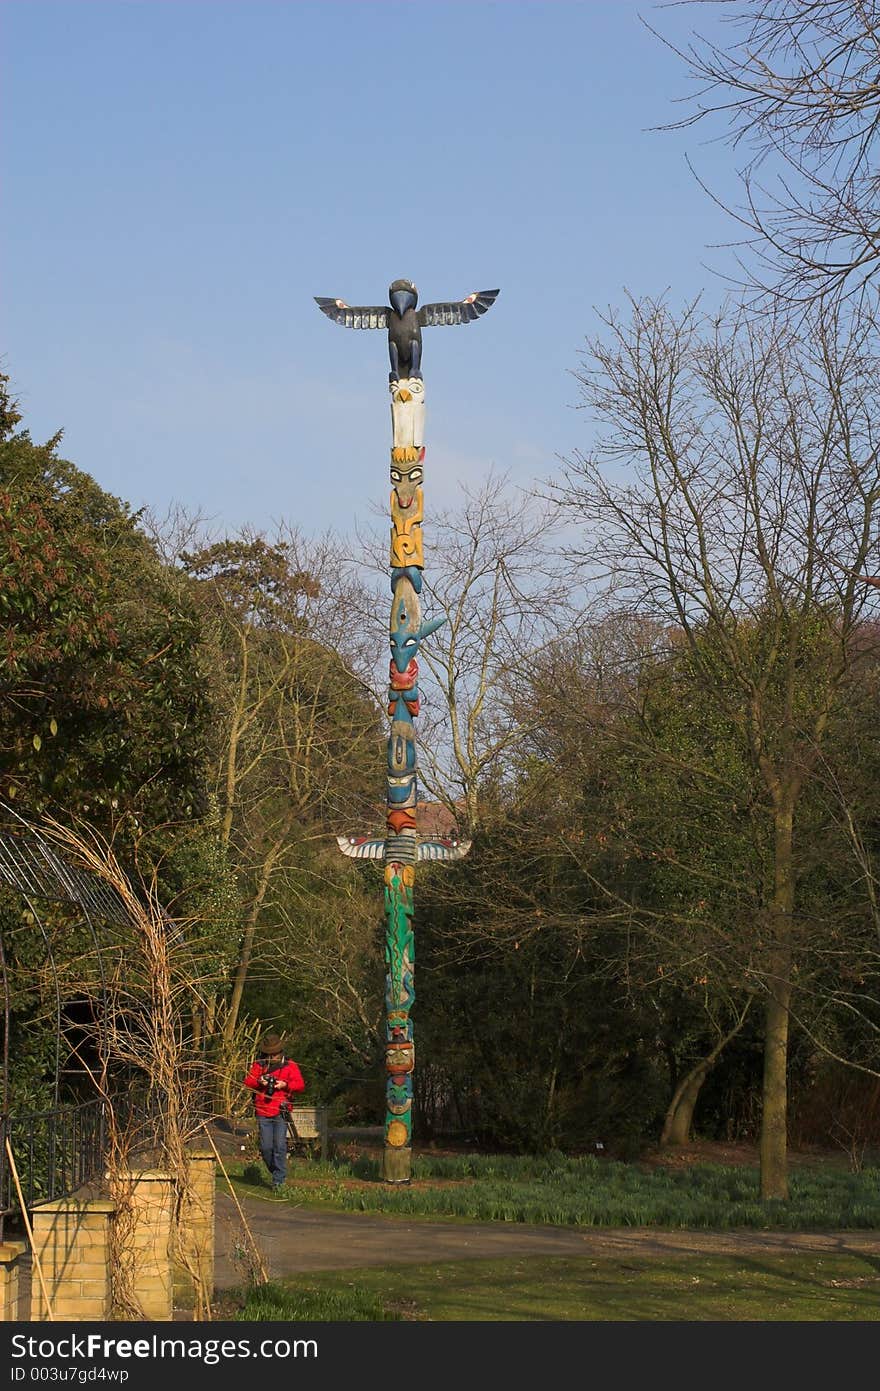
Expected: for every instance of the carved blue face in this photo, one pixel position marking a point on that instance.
(402, 791)
(404, 646)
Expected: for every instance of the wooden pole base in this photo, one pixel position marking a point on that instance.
(396, 1164)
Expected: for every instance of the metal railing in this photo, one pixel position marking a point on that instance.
(55, 1153)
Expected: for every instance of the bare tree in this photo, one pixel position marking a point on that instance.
(637, 801)
(296, 730)
(330, 937)
(733, 498)
(799, 89)
(495, 575)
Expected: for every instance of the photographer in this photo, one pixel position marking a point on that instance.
(273, 1078)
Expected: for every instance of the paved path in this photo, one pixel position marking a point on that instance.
(292, 1240)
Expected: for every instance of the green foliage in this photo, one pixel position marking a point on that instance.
(533, 1041)
(584, 1191)
(256, 580)
(43, 956)
(300, 729)
(645, 830)
(199, 886)
(102, 711)
(303, 1303)
(103, 714)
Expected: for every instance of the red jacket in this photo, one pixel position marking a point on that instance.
(285, 1070)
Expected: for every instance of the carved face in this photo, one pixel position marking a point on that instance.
(405, 479)
(401, 748)
(401, 792)
(403, 635)
(399, 1058)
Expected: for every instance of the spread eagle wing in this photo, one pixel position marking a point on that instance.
(361, 847)
(443, 848)
(354, 315)
(461, 311)
(431, 848)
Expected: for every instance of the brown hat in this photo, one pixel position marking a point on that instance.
(271, 1043)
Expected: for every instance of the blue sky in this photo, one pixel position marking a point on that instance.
(181, 177)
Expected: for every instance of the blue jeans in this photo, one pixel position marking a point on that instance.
(273, 1146)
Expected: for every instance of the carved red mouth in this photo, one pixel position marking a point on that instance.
(403, 680)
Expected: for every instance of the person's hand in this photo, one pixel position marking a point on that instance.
(280, 1083)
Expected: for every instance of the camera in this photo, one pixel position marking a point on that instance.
(271, 1084)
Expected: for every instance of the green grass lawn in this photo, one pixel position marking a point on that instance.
(583, 1191)
(779, 1288)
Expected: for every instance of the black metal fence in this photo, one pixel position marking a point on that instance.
(55, 1152)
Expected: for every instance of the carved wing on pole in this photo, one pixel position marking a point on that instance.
(441, 848)
(432, 848)
(361, 847)
(461, 311)
(354, 315)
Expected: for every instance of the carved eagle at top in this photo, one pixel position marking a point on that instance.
(405, 322)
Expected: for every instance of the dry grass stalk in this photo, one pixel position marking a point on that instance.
(256, 1271)
(27, 1223)
(142, 998)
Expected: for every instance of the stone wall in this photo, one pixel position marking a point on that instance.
(194, 1267)
(12, 1285)
(73, 1249)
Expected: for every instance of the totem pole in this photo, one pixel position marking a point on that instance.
(402, 847)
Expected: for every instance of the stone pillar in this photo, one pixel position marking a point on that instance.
(144, 1239)
(72, 1246)
(11, 1253)
(197, 1235)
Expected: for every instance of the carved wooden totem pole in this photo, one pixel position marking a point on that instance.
(402, 847)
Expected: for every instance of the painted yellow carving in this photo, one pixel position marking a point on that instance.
(406, 531)
(408, 875)
(397, 1134)
(405, 454)
(403, 395)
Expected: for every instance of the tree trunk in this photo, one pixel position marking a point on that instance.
(774, 1115)
(774, 1138)
(679, 1116)
(247, 941)
(677, 1122)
